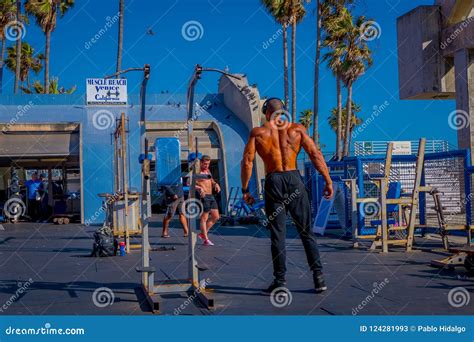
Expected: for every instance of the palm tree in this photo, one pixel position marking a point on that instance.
(29, 61)
(282, 12)
(278, 9)
(297, 14)
(54, 88)
(306, 118)
(358, 58)
(354, 122)
(120, 35)
(7, 13)
(333, 58)
(317, 62)
(45, 13)
(18, 47)
(324, 9)
(334, 40)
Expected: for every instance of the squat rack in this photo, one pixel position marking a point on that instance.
(192, 284)
(382, 236)
(124, 202)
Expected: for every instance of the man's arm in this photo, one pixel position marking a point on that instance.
(215, 185)
(198, 187)
(247, 161)
(317, 159)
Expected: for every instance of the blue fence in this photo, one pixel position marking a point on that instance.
(450, 172)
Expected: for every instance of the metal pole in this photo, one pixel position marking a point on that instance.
(116, 189)
(123, 150)
(147, 278)
(128, 70)
(193, 167)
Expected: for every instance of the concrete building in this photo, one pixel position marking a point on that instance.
(436, 60)
(51, 132)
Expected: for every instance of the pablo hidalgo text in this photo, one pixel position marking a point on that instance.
(442, 328)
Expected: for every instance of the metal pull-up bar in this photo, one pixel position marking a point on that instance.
(192, 284)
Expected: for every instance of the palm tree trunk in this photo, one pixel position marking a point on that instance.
(120, 35)
(285, 64)
(18, 49)
(348, 119)
(46, 61)
(293, 70)
(316, 75)
(339, 118)
(2, 59)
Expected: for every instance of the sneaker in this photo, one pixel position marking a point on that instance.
(274, 285)
(208, 243)
(201, 236)
(319, 283)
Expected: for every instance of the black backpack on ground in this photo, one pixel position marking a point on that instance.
(104, 243)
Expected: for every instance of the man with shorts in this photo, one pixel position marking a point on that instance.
(206, 189)
(174, 200)
(278, 143)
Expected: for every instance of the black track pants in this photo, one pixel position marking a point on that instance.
(284, 191)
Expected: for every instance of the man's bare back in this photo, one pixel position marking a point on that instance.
(278, 147)
(278, 143)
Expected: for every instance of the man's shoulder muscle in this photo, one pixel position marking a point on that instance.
(256, 131)
(298, 127)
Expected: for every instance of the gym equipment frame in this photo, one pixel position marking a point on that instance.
(192, 284)
(382, 236)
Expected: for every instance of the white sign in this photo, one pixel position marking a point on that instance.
(401, 147)
(112, 91)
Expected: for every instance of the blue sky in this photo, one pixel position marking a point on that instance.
(237, 33)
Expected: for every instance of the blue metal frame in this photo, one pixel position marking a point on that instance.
(360, 185)
(357, 162)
